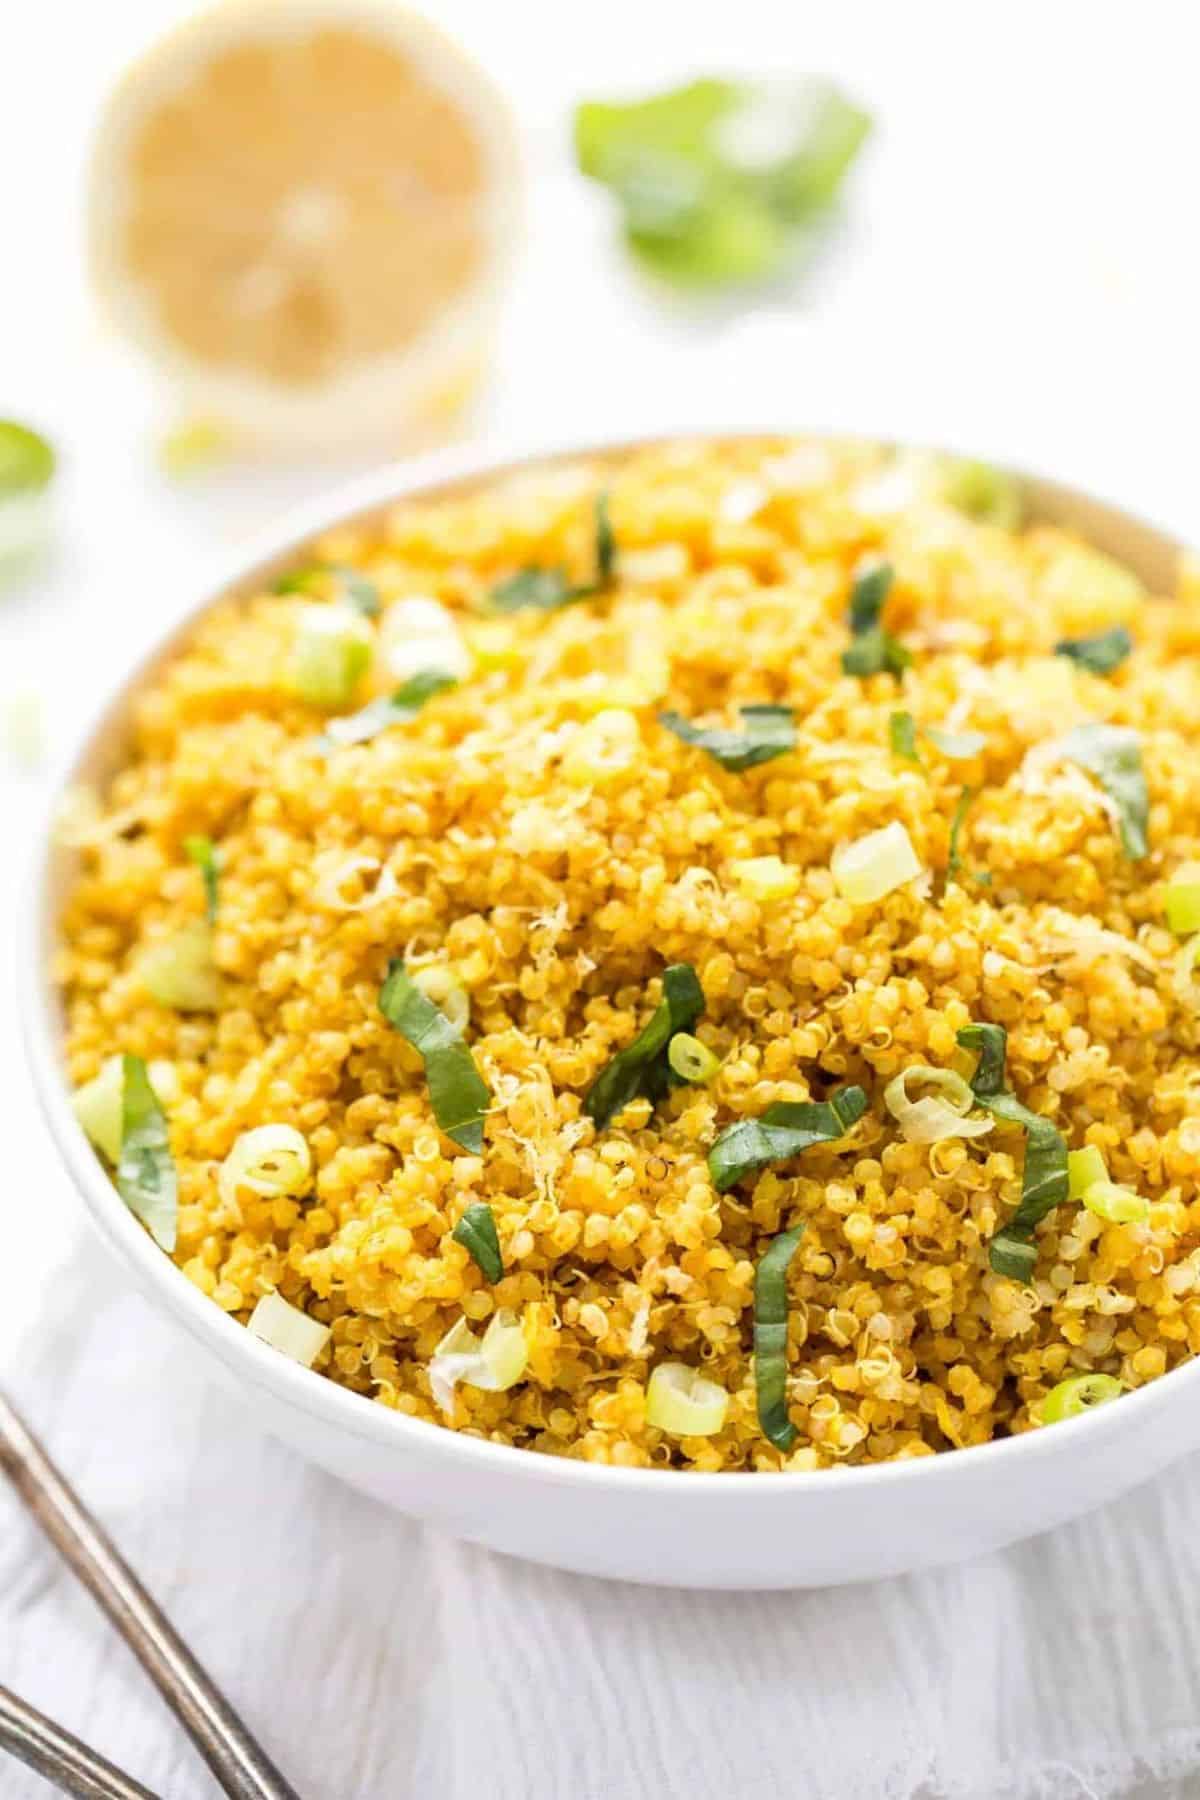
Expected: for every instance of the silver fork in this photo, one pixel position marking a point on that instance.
(240, 1765)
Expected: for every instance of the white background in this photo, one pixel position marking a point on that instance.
(1017, 271)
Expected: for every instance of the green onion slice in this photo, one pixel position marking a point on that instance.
(202, 851)
(476, 1232)
(1101, 653)
(1046, 1181)
(457, 1091)
(989, 495)
(902, 735)
(782, 1132)
(1183, 900)
(770, 1337)
(26, 460)
(545, 590)
(1078, 1394)
(1113, 754)
(691, 1060)
(643, 1067)
(874, 648)
(398, 708)
(767, 732)
(146, 1179)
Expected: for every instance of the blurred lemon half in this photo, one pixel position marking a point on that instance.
(303, 212)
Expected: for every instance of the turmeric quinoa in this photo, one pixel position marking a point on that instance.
(679, 960)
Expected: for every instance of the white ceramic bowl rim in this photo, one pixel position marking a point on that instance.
(253, 1361)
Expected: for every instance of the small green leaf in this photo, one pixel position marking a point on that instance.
(1045, 1182)
(476, 1232)
(874, 648)
(1101, 653)
(398, 708)
(457, 1091)
(767, 732)
(1113, 754)
(643, 1067)
(202, 851)
(782, 1132)
(867, 596)
(770, 1337)
(545, 590)
(146, 1179)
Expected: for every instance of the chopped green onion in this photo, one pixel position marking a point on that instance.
(682, 1402)
(179, 971)
(767, 732)
(26, 460)
(331, 652)
(419, 633)
(873, 866)
(867, 596)
(936, 1116)
(765, 878)
(202, 851)
(770, 1337)
(440, 984)
(989, 495)
(355, 589)
(276, 1322)
(784, 1130)
(1045, 1182)
(272, 1160)
(1101, 653)
(1113, 754)
(691, 1060)
(959, 746)
(643, 1067)
(954, 860)
(476, 1232)
(874, 648)
(1078, 1394)
(1116, 1205)
(457, 1091)
(146, 1179)
(1084, 1168)
(902, 735)
(721, 182)
(398, 708)
(1183, 900)
(494, 1364)
(545, 590)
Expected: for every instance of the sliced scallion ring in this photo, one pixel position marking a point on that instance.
(179, 971)
(1078, 1394)
(1183, 900)
(495, 1363)
(935, 1116)
(1084, 1168)
(277, 1322)
(331, 652)
(1116, 1205)
(272, 1160)
(683, 1403)
(875, 865)
(691, 1060)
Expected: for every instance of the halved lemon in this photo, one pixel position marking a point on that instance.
(303, 211)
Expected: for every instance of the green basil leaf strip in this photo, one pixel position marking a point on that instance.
(146, 1179)
(958, 746)
(1113, 754)
(202, 851)
(770, 1337)
(1044, 1184)
(1101, 653)
(642, 1067)
(782, 1132)
(876, 652)
(545, 590)
(27, 460)
(476, 1232)
(767, 732)
(379, 715)
(457, 1091)
(606, 543)
(902, 735)
(355, 589)
(867, 596)
(954, 863)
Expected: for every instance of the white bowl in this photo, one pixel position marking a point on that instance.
(686, 1530)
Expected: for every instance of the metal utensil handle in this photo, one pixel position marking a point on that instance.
(61, 1758)
(238, 1762)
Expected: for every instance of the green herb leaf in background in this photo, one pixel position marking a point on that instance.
(545, 590)
(457, 1091)
(476, 1232)
(1101, 653)
(767, 732)
(642, 1068)
(1045, 1182)
(782, 1132)
(202, 851)
(874, 649)
(722, 182)
(379, 715)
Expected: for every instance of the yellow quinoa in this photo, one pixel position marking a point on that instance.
(539, 834)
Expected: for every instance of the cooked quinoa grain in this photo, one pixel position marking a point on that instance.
(537, 849)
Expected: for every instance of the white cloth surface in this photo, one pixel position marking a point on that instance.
(1018, 272)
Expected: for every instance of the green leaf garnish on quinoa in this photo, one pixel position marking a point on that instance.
(783, 1131)
(476, 1232)
(1113, 754)
(397, 708)
(957, 746)
(643, 1067)
(1101, 653)
(457, 1091)
(146, 1179)
(202, 851)
(874, 649)
(770, 1337)
(350, 586)
(767, 732)
(1045, 1182)
(545, 590)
